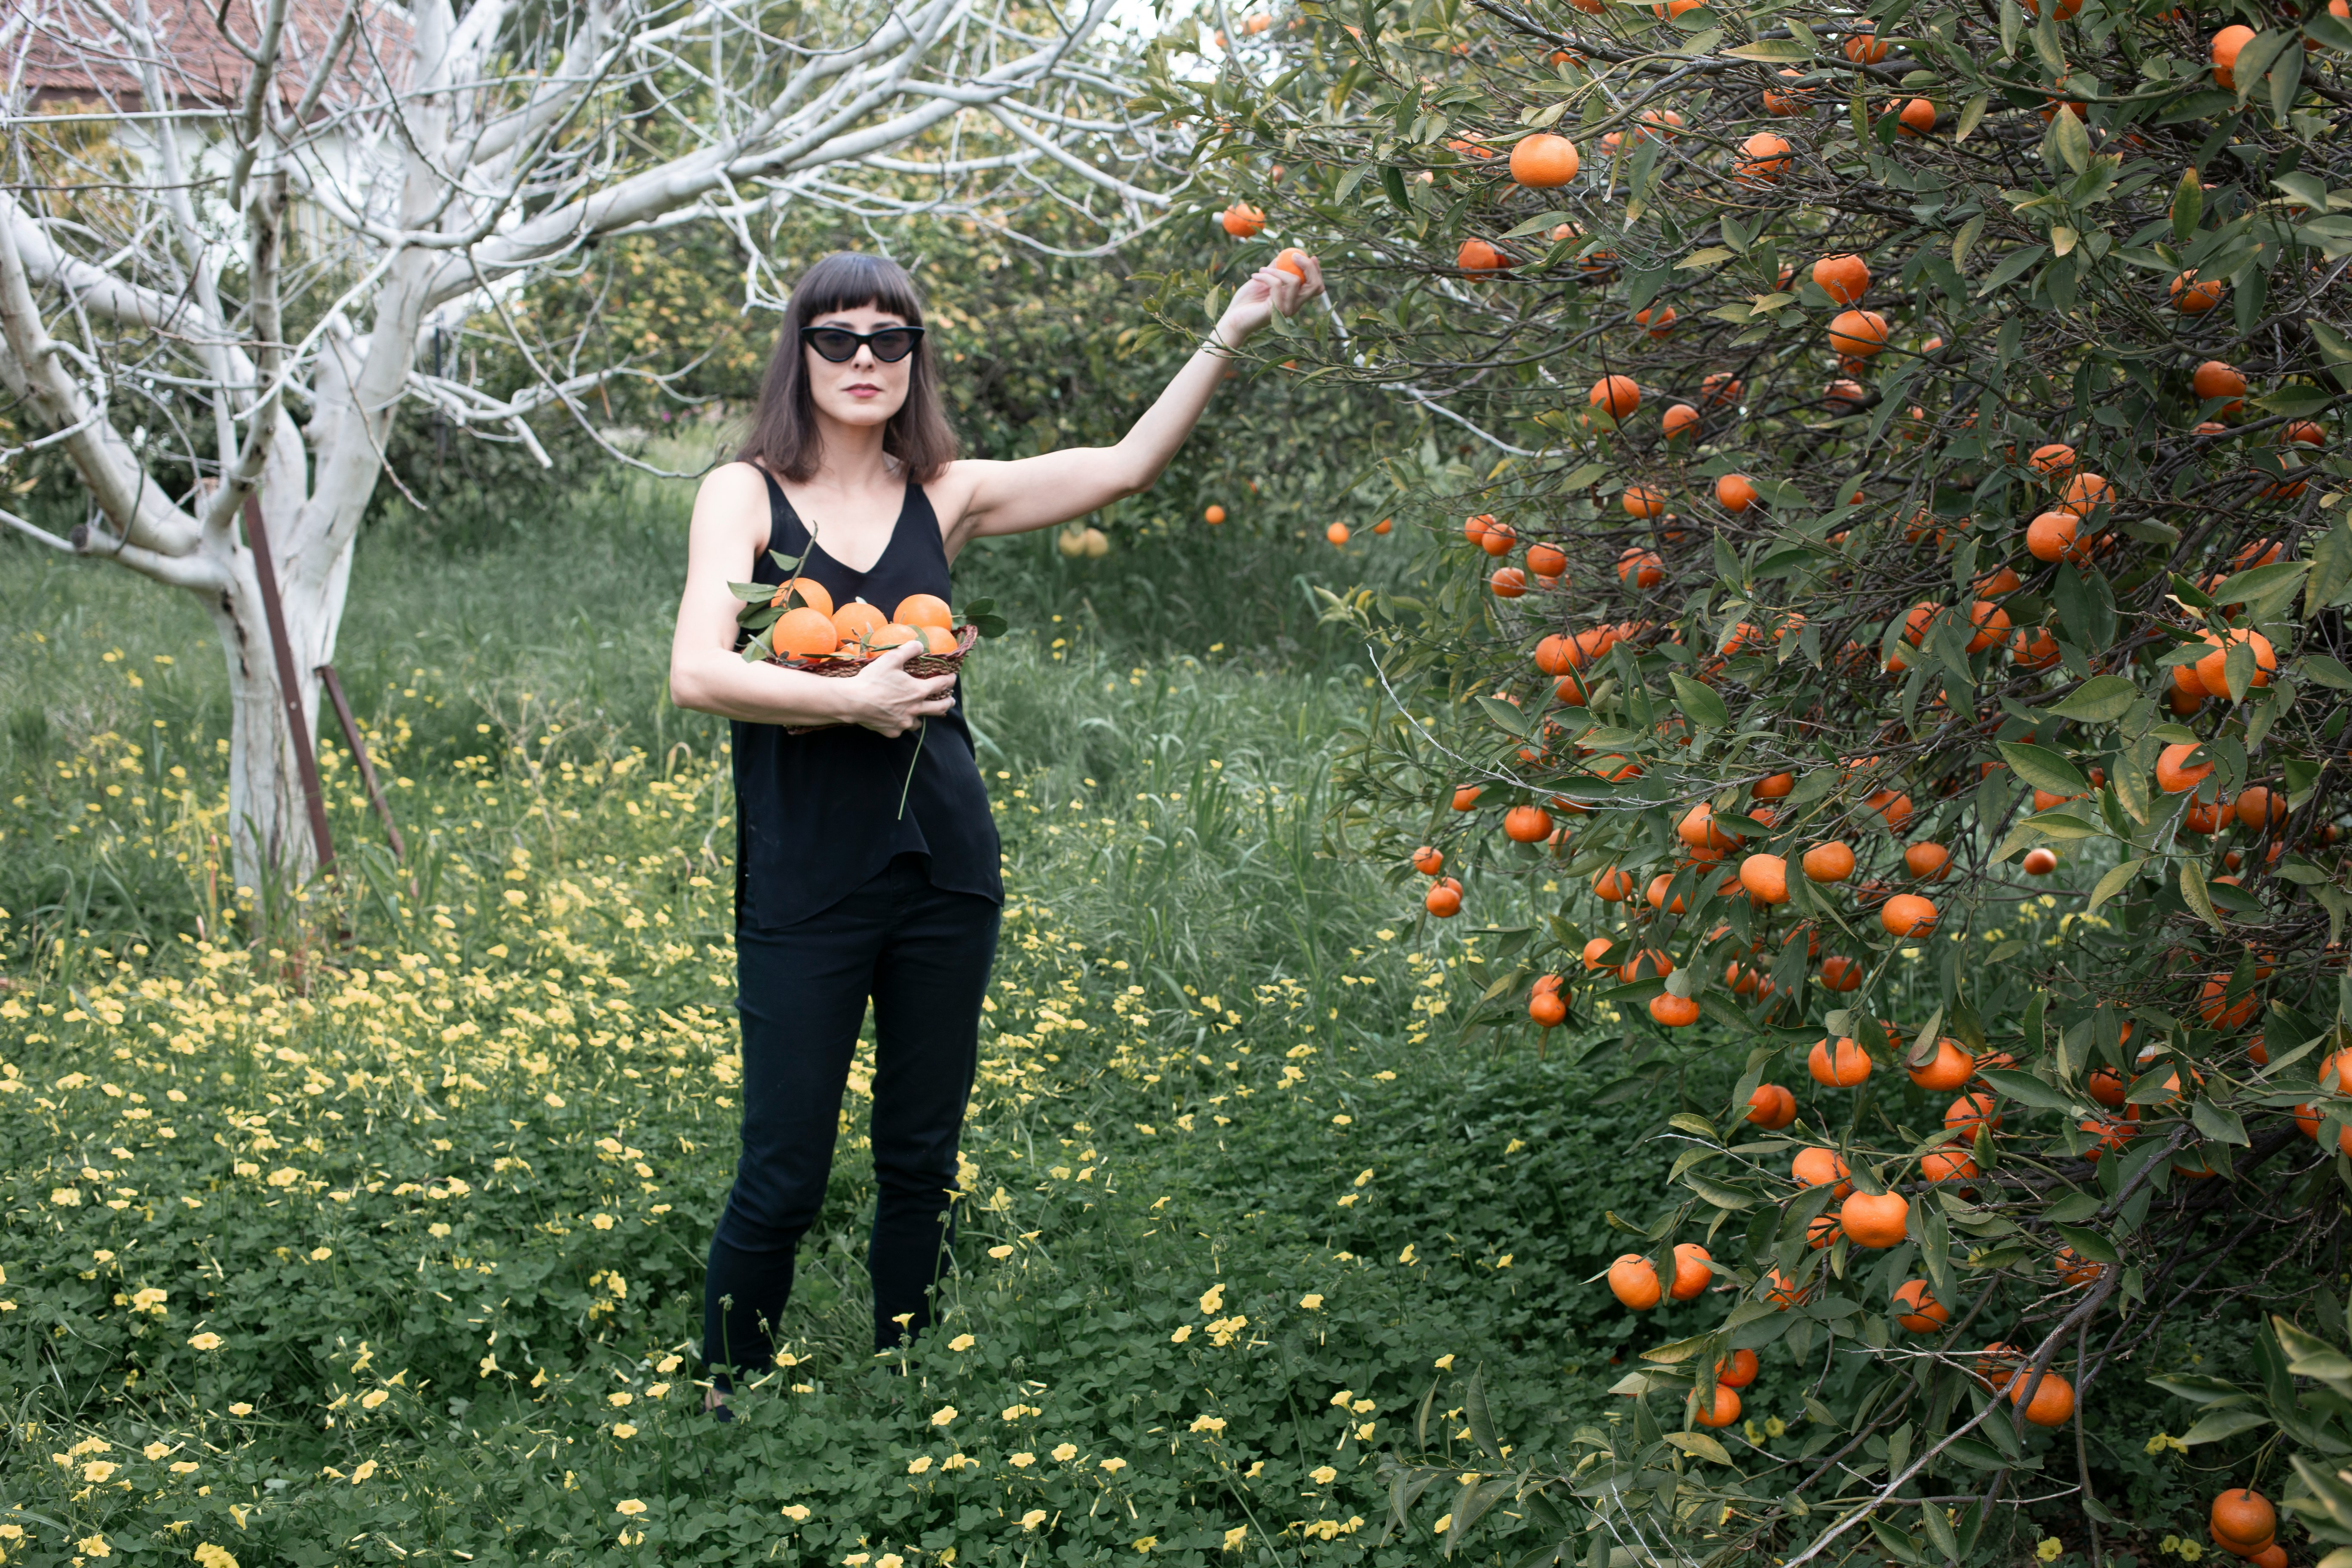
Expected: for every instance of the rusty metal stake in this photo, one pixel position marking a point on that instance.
(306, 761)
(367, 769)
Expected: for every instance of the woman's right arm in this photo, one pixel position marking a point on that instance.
(708, 675)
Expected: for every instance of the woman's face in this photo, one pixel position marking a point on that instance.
(861, 390)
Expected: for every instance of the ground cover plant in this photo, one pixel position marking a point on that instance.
(1915, 494)
(345, 1253)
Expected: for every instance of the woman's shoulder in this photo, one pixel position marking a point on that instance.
(739, 477)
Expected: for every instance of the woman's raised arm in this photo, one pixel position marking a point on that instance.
(1053, 487)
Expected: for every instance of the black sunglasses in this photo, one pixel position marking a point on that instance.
(839, 344)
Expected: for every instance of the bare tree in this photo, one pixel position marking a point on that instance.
(227, 235)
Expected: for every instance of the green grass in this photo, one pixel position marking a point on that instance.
(1216, 1062)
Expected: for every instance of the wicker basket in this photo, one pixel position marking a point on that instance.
(923, 666)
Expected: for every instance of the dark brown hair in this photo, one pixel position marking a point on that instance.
(784, 437)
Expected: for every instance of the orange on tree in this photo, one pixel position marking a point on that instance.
(1242, 220)
(1526, 824)
(2243, 1522)
(1765, 878)
(1950, 1068)
(1719, 1411)
(1672, 1011)
(1919, 1311)
(1633, 1280)
(1970, 1111)
(1692, 1275)
(1926, 861)
(1428, 861)
(1839, 1065)
(1214, 515)
(1615, 395)
(1544, 161)
(2226, 45)
(1875, 1220)
(1738, 1370)
(2039, 862)
(1771, 1106)
(1444, 899)
(2053, 1398)
(2100, 537)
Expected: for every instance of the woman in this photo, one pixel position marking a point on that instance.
(842, 894)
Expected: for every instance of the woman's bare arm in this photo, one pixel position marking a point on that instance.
(706, 673)
(992, 498)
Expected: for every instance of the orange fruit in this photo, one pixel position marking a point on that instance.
(1214, 515)
(890, 634)
(2039, 862)
(938, 639)
(1477, 255)
(1771, 1106)
(1907, 914)
(1465, 796)
(2054, 460)
(1546, 561)
(1840, 972)
(1783, 1291)
(1243, 220)
(2085, 491)
(806, 633)
(1546, 1008)
(2190, 297)
(1773, 786)
(1544, 160)
(1680, 420)
(1692, 1275)
(1765, 878)
(1763, 157)
(2226, 45)
(923, 610)
(1946, 1165)
(813, 593)
(2052, 1403)
(1720, 1411)
(1786, 101)
(1735, 492)
(1929, 862)
(1970, 1111)
(2216, 379)
(1919, 117)
(1672, 1011)
(1429, 862)
(1338, 534)
(1640, 500)
(1444, 899)
(1641, 568)
(1615, 395)
(1736, 1370)
(1596, 952)
(1613, 886)
(1526, 824)
(1996, 1365)
(1499, 538)
(2261, 805)
(1634, 1281)
(2215, 1005)
(1509, 583)
(1846, 279)
(2213, 671)
(1292, 260)
(2173, 773)
(2243, 1521)
(1861, 48)
(1858, 334)
(2051, 536)
(1951, 1068)
(1819, 1167)
(2072, 1268)
(1875, 1221)
(1921, 1313)
(1720, 388)
(1831, 862)
(1659, 319)
(1839, 1066)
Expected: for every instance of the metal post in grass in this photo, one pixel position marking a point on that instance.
(266, 572)
(359, 750)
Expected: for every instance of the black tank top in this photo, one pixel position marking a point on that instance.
(816, 815)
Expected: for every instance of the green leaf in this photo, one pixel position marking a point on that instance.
(2102, 699)
(2089, 1244)
(1699, 703)
(2026, 1088)
(1718, 1193)
(2114, 882)
(2188, 205)
(1708, 257)
(1699, 1444)
(2326, 671)
(2193, 893)
(2333, 345)
(2223, 1424)
(2220, 1123)
(1772, 51)
(2293, 403)
(2243, 587)
(1679, 1351)
(2012, 267)
(2043, 768)
(2198, 1389)
(2253, 61)
(1972, 115)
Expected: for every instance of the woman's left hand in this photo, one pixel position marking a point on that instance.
(1269, 288)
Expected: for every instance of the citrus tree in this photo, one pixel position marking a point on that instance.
(1891, 648)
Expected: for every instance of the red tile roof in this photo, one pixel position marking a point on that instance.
(70, 52)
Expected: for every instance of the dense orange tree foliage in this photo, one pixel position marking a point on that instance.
(1889, 644)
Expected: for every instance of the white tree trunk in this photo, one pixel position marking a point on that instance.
(442, 160)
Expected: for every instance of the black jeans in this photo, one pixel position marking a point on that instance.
(922, 954)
